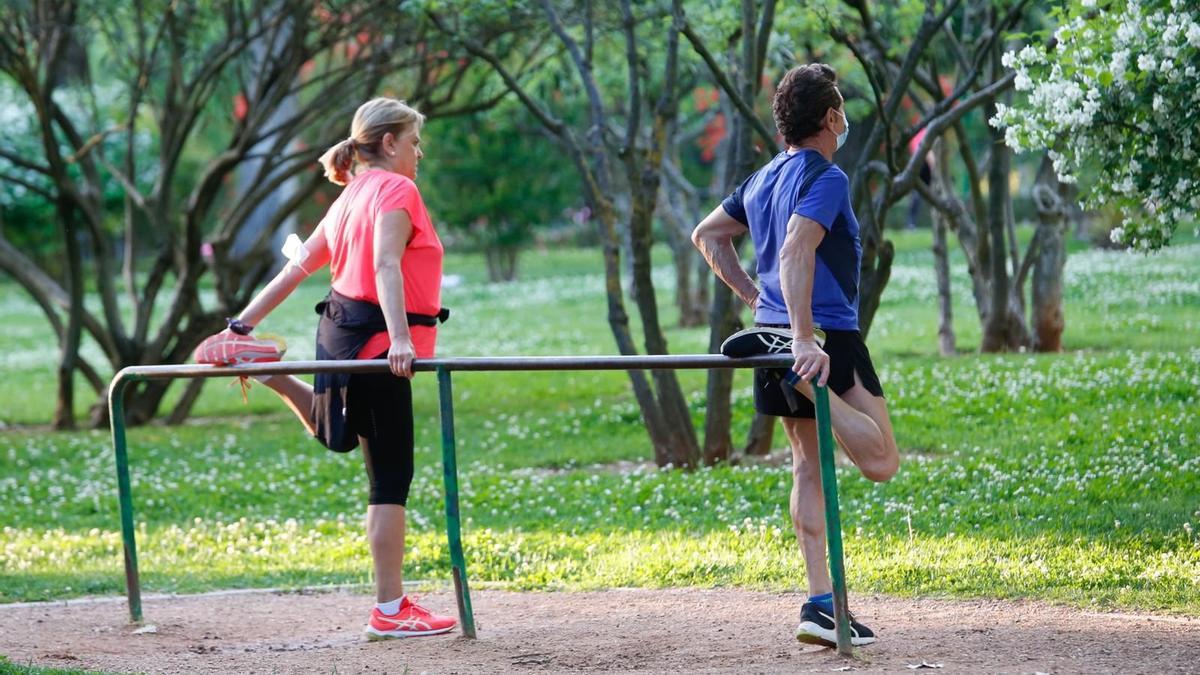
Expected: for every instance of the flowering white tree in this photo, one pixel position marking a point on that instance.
(1116, 100)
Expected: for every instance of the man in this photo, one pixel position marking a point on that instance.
(798, 214)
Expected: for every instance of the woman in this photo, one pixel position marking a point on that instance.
(386, 263)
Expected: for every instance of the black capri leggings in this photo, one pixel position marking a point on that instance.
(379, 410)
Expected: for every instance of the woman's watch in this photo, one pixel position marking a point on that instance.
(238, 326)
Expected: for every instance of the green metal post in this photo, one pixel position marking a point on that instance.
(833, 521)
(116, 414)
(458, 564)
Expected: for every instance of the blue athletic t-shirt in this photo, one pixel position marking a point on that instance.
(765, 202)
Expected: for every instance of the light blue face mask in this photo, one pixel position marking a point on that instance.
(841, 138)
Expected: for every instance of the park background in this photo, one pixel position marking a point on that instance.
(1036, 336)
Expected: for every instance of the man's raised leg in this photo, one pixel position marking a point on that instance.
(863, 428)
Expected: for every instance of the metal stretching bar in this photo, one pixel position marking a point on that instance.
(116, 417)
(833, 521)
(444, 367)
(458, 562)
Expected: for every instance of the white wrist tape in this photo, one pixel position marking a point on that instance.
(295, 251)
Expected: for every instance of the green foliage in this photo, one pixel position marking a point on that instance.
(1117, 102)
(9, 668)
(496, 178)
(1064, 477)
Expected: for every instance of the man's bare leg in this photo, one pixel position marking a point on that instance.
(863, 428)
(860, 417)
(808, 502)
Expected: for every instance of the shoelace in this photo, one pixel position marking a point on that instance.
(419, 609)
(244, 381)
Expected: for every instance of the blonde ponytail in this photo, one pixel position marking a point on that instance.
(338, 161)
(372, 121)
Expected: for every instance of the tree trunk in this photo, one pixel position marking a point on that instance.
(618, 317)
(1003, 329)
(941, 254)
(760, 436)
(874, 278)
(64, 412)
(190, 395)
(1047, 292)
(688, 277)
(249, 174)
(683, 449)
(941, 263)
(718, 443)
(742, 155)
(142, 401)
(501, 263)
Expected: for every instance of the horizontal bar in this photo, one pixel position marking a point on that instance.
(497, 363)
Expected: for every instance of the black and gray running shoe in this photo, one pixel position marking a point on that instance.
(817, 628)
(761, 340)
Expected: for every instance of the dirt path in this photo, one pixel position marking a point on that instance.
(672, 631)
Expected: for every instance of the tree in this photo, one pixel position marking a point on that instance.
(625, 129)
(950, 66)
(741, 82)
(498, 185)
(137, 94)
(884, 172)
(1116, 100)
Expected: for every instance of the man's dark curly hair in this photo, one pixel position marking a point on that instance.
(804, 95)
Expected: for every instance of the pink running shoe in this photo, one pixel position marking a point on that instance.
(230, 349)
(411, 621)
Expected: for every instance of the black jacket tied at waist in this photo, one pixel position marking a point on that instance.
(344, 329)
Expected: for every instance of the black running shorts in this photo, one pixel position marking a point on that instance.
(379, 410)
(847, 354)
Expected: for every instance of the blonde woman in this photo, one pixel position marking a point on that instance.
(386, 263)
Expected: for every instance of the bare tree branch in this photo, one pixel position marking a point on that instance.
(904, 181)
(18, 160)
(584, 68)
(32, 187)
(544, 116)
(47, 292)
(726, 86)
(633, 118)
(766, 24)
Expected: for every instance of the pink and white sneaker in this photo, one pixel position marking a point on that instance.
(230, 349)
(412, 620)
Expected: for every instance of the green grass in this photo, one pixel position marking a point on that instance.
(9, 668)
(1072, 477)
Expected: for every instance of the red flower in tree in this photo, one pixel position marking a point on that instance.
(240, 107)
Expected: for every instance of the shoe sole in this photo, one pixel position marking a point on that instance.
(813, 634)
(374, 635)
(762, 340)
(755, 341)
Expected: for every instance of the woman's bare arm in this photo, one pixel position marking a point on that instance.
(392, 233)
(288, 279)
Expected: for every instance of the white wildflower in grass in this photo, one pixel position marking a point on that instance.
(1116, 99)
